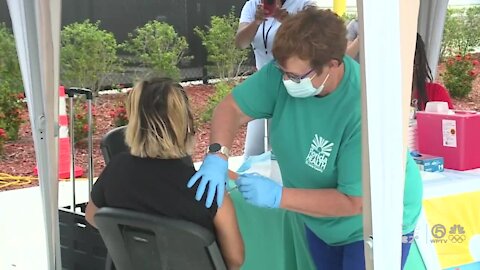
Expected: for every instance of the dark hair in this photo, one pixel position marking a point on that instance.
(422, 72)
(314, 35)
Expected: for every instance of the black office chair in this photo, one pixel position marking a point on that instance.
(113, 143)
(146, 242)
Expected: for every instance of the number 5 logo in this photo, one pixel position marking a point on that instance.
(439, 231)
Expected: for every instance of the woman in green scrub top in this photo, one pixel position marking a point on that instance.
(311, 93)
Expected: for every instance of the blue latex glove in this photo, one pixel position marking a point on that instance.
(260, 190)
(213, 172)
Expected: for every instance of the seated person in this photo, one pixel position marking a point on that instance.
(423, 87)
(153, 177)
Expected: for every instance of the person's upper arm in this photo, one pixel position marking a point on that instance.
(349, 162)
(352, 31)
(97, 200)
(228, 234)
(257, 95)
(241, 26)
(97, 195)
(248, 12)
(90, 213)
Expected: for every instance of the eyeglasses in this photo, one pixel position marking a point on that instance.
(294, 77)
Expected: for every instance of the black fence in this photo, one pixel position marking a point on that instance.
(122, 16)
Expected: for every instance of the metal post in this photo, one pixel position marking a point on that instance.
(72, 149)
(90, 143)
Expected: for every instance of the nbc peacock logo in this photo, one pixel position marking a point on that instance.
(320, 151)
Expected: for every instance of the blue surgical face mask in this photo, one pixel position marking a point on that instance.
(304, 88)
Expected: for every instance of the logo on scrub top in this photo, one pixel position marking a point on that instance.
(320, 151)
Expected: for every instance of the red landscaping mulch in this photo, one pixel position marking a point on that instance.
(19, 157)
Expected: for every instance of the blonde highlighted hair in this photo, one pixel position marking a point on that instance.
(160, 121)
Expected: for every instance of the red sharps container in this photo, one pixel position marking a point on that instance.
(453, 136)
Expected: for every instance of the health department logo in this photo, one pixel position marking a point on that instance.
(456, 234)
(320, 151)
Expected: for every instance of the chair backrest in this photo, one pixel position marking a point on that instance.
(142, 241)
(113, 143)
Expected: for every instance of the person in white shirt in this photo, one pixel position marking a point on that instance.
(353, 46)
(259, 31)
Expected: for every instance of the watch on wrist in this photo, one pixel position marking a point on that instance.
(216, 148)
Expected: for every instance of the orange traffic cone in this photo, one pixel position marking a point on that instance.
(64, 156)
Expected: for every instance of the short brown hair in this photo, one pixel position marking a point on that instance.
(160, 123)
(314, 35)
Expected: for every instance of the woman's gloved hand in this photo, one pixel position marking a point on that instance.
(214, 173)
(260, 190)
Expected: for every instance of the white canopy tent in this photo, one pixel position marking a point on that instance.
(36, 25)
(387, 50)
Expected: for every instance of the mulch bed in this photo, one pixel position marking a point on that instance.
(19, 157)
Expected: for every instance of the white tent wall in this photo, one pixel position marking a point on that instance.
(36, 26)
(388, 45)
(430, 26)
